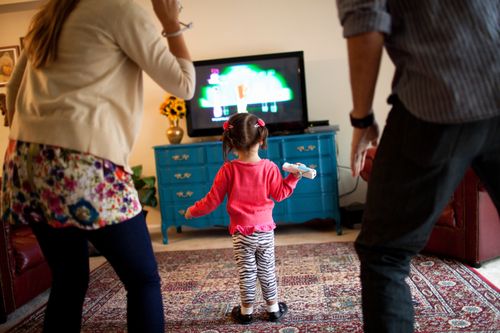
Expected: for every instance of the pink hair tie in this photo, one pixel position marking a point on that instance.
(226, 126)
(260, 123)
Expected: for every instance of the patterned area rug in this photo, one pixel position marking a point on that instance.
(319, 282)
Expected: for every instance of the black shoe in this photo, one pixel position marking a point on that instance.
(276, 316)
(241, 318)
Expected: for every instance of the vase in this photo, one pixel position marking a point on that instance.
(175, 132)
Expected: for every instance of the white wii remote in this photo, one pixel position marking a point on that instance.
(305, 171)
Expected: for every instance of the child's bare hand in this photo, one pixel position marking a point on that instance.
(188, 215)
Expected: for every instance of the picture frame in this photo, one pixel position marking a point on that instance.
(8, 59)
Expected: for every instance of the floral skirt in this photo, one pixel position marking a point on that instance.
(63, 188)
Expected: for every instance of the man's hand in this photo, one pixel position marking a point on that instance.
(362, 139)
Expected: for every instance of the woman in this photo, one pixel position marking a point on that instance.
(74, 105)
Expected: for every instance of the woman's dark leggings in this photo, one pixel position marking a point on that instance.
(127, 247)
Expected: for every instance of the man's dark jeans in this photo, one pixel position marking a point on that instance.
(417, 167)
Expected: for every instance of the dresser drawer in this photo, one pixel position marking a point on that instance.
(307, 147)
(272, 152)
(181, 156)
(188, 192)
(175, 213)
(182, 175)
(299, 204)
(301, 148)
(212, 170)
(279, 210)
(214, 153)
(321, 184)
(322, 166)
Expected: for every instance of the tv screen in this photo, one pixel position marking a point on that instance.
(270, 86)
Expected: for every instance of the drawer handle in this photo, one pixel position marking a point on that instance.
(308, 148)
(183, 157)
(187, 194)
(185, 175)
(181, 212)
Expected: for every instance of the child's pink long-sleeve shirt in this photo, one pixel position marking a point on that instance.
(250, 188)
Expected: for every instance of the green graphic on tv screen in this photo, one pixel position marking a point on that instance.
(247, 87)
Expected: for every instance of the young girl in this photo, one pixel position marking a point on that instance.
(249, 183)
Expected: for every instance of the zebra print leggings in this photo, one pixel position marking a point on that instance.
(254, 255)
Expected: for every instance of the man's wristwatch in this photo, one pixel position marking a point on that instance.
(362, 122)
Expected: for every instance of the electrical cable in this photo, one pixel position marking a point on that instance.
(355, 185)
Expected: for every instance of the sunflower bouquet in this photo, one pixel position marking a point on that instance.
(174, 108)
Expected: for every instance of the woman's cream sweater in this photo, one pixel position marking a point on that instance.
(91, 98)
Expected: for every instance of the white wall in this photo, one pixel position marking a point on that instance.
(224, 28)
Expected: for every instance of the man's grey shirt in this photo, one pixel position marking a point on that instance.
(446, 53)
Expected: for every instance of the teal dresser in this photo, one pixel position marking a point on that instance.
(185, 173)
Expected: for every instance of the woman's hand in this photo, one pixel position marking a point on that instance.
(167, 12)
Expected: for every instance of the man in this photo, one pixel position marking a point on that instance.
(445, 118)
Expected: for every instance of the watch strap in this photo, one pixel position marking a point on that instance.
(362, 122)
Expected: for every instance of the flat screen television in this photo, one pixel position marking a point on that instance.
(271, 86)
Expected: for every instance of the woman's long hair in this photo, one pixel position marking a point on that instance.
(42, 39)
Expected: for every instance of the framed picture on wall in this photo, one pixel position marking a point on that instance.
(8, 59)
